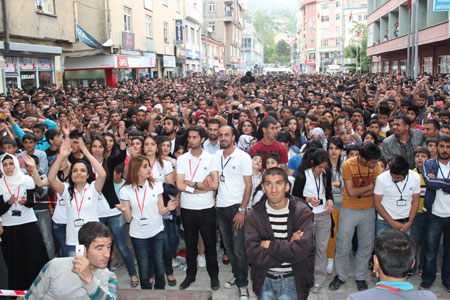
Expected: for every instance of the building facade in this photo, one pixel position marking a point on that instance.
(387, 37)
(31, 51)
(324, 29)
(213, 56)
(225, 20)
(252, 52)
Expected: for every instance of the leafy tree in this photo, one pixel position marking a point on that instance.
(358, 47)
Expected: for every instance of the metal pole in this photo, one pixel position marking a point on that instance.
(206, 37)
(5, 25)
(343, 34)
(416, 47)
(413, 14)
(408, 54)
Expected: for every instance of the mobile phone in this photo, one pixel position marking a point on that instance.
(79, 250)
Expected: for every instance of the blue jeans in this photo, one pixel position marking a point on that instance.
(59, 230)
(382, 225)
(150, 251)
(418, 232)
(280, 289)
(234, 242)
(436, 227)
(44, 223)
(117, 226)
(170, 244)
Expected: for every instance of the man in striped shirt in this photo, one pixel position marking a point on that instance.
(279, 241)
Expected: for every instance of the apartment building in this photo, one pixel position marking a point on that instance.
(387, 38)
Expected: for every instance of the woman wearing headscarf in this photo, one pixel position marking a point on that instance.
(22, 245)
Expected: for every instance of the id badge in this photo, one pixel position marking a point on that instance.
(222, 178)
(143, 222)
(401, 202)
(62, 202)
(16, 213)
(78, 222)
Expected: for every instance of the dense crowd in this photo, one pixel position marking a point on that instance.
(293, 171)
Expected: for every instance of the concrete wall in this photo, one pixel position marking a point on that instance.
(26, 22)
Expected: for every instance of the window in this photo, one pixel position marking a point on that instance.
(338, 4)
(395, 67)
(338, 42)
(325, 18)
(177, 5)
(403, 66)
(310, 20)
(148, 26)
(212, 7)
(337, 30)
(311, 41)
(45, 6)
(165, 2)
(324, 6)
(338, 17)
(212, 26)
(427, 65)
(127, 18)
(228, 11)
(359, 18)
(148, 4)
(444, 64)
(324, 43)
(386, 67)
(324, 31)
(247, 43)
(166, 32)
(192, 35)
(312, 55)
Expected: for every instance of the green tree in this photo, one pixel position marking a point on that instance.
(358, 47)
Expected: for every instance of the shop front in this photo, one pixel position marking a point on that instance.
(107, 69)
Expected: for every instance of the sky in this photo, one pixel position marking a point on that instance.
(272, 4)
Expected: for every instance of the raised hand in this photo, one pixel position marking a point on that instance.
(121, 128)
(66, 148)
(29, 162)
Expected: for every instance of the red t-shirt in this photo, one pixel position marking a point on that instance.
(263, 149)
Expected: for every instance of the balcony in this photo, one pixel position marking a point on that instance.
(193, 14)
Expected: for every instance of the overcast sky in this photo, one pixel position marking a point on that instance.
(272, 4)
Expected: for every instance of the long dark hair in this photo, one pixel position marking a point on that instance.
(314, 157)
(340, 145)
(297, 135)
(69, 178)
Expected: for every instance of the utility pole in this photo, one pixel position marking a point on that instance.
(343, 34)
(205, 26)
(408, 50)
(416, 47)
(413, 28)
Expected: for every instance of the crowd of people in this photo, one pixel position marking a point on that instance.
(293, 171)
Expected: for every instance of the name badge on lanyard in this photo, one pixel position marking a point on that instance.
(79, 222)
(142, 221)
(401, 201)
(15, 212)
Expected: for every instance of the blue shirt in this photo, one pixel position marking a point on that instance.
(210, 148)
(294, 162)
(42, 144)
(43, 162)
(400, 285)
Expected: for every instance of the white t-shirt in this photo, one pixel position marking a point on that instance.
(231, 172)
(148, 223)
(396, 204)
(441, 204)
(159, 172)
(196, 169)
(87, 201)
(26, 214)
(310, 190)
(60, 214)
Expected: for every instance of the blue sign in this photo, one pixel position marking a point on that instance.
(87, 38)
(178, 32)
(441, 5)
(189, 53)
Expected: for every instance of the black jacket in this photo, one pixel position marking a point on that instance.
(300, 181)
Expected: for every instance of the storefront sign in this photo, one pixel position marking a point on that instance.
(86, 38)
(128, 40)
(45, 64)
(27, 76)
(178, 31)
(169, 61)
(59, 79)
(151, 57)
(310, 62)
(122, 62)
(27, 64)
(441, 5)
(189, 53)
(11, 64)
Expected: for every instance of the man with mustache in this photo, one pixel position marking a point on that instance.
(436, 173)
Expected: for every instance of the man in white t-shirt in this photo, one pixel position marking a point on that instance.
(396, 196)
(235, 187)
(197, 179)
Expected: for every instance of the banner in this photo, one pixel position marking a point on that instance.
(87, 38)
(441, 5)
(179, 31)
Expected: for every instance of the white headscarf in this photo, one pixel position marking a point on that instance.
(14, 181)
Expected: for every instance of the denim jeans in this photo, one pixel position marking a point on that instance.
(280, 289)
(436, 226)
(150, 251)
(117, 226)
(44, 223)
(59, 231)
(234, 242)
(169, 247)
(382, 225)
(418, 232)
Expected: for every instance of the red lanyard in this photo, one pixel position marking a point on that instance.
(151, 167)
(390, 288)
(143, 200)
(18, 191)
(196, 168)
(76, 201)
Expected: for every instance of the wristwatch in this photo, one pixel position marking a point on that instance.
(242, 210)
(195, 185)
